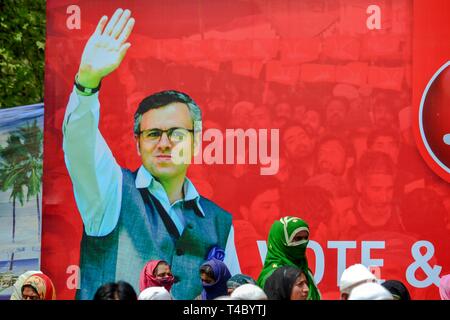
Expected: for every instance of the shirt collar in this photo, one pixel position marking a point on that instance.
(144, 179)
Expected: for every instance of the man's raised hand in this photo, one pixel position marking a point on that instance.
(106, 48)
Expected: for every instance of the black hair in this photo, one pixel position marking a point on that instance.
(348, 149)
(384, 132)
(164, 98)
(120, 290)
(29, 286)
(373, 162)
(279, 285)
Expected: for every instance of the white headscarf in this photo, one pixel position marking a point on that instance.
(354, 276)
(370, 291)
(155, 293)
(17, 287)
(249, 292)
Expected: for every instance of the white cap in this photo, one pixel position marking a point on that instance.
(155, 293)
(353, 276)
(249, 292)
(370, 291)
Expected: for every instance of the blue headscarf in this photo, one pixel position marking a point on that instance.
(221, 275)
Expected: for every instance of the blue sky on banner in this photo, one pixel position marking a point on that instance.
(26, 247)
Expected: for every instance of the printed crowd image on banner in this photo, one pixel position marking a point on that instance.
(182, 130)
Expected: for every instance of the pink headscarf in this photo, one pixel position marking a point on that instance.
(444, 287)
(148, 279)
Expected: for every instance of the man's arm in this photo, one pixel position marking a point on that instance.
(95, 174)
(231, 258)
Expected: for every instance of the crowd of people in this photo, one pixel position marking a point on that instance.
(285, 276)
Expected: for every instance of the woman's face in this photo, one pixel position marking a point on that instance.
(29, 293)
(300, 289)
(162, 271)
(206, 278)
(301, 235)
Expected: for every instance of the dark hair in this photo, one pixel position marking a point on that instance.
(385, 132)
(164, 98)
(29, 286)
(280, 283)
(342, 100)
(251, 186)
(120, 290)
(348, 149)
(373, 162)
(397, 289)
(208, 270)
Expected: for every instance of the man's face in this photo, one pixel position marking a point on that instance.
(383, 116)
(264, 210)
(311, 119)
(261, 118)
(331, 158)
(377, 190)
(298, 143)
(157, 156)
(335, 113)
(388, 146)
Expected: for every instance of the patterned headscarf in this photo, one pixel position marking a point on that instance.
(148, 278)
(444, 287)
(43, 286)
(238, 280)
(282, 250)
(17, 287)
(221, 276)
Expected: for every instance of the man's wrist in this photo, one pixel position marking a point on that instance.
(86, 88)
(87, 78)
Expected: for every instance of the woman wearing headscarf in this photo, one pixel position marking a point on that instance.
(397, 289)
(249, 291)
(17, 287)
(286, 246)
(38, 287)
(370, 291)
(444, 287)
(238, 280)
(214, 274)
(156, 273)
(287, 283)
(155, 293)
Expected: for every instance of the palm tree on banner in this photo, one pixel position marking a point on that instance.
(31, 136)
(13, 173)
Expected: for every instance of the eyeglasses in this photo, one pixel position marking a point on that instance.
(175, 135)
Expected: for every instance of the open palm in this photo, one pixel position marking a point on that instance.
(106, 48)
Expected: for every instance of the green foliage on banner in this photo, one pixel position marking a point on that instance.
(22, 43)
(21, 166)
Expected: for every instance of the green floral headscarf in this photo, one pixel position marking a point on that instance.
(283, 251)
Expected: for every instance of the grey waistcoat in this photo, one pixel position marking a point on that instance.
(144, 232)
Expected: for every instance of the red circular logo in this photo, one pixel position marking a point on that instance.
(434, 123)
